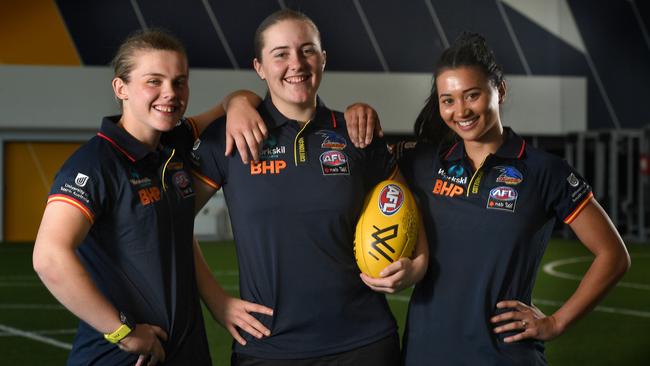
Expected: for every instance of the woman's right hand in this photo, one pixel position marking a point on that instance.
(145, 341)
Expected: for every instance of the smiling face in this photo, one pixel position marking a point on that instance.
(292, 64)
(469, 103)
(155, 97)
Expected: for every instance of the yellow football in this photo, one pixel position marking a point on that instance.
(387, 228)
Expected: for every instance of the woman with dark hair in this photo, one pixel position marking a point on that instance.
(489, 203)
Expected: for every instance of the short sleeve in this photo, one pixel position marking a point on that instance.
(80, 183)
(568, 192)
(208, 155)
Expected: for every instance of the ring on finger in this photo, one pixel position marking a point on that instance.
(524, 324)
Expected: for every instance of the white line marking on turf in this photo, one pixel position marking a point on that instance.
(550, 269)
(603, 309)
(46, 332)
(35, 337)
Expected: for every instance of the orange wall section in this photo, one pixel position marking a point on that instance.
(29, 170)
(32, 32)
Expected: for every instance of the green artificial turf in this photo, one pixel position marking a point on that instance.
(616, 333)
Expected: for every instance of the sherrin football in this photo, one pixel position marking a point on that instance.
(387, 228)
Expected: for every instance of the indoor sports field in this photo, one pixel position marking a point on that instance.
(35, 330)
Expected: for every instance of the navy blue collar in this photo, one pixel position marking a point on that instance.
(128, 145)
(323, 116)
(513, 147)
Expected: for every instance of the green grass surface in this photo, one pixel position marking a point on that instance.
(616, 333)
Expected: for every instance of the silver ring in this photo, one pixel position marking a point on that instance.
(524, 324)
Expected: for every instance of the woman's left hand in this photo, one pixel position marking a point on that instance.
(394, 278)
(527, 319)
(236, 316)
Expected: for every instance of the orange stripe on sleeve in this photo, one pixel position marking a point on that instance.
(569, 219)
(205, 179)
(69, 200)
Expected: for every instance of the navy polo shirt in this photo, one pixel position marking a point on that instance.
(293, 217)
(488, 230)
(139, 248)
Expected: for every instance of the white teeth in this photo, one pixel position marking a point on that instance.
(466, 123)
(162, 108)
(295, 79)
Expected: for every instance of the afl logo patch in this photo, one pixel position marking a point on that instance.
(183, 184)
(334, 162)
(81, 180)
(502, 198)
(391, 198)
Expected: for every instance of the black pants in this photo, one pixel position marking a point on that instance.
(384, 352)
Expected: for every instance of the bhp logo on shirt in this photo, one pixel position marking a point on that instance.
(149, 195)
(447, 188)
(268, 167)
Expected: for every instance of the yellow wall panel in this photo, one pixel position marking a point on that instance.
(32, 32)
(29, 169)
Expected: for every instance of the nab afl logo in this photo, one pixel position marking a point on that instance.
(503, 194)
(181, 180)
(391, 198)
(333, 158)
(81, 180)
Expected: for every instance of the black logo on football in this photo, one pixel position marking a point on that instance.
(382, 236)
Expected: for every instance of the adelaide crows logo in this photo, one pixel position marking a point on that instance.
(332, 140)
(509, 175)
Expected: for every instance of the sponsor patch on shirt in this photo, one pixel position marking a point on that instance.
(502, 198)
(390, 199)
(81, 179)
(455, 173)
(332, 140)
(446, 188)
(573, 180)
(579, 187)
(509, 175)
(271, 150)
(75, 191)
(334, 162)
(183, 184)
(267, 167)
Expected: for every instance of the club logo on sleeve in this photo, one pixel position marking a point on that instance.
(391, 198)
(81, 180)
(509, 175)
(334, 162)
(332, 140)
(502, 198)
(573, 180)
